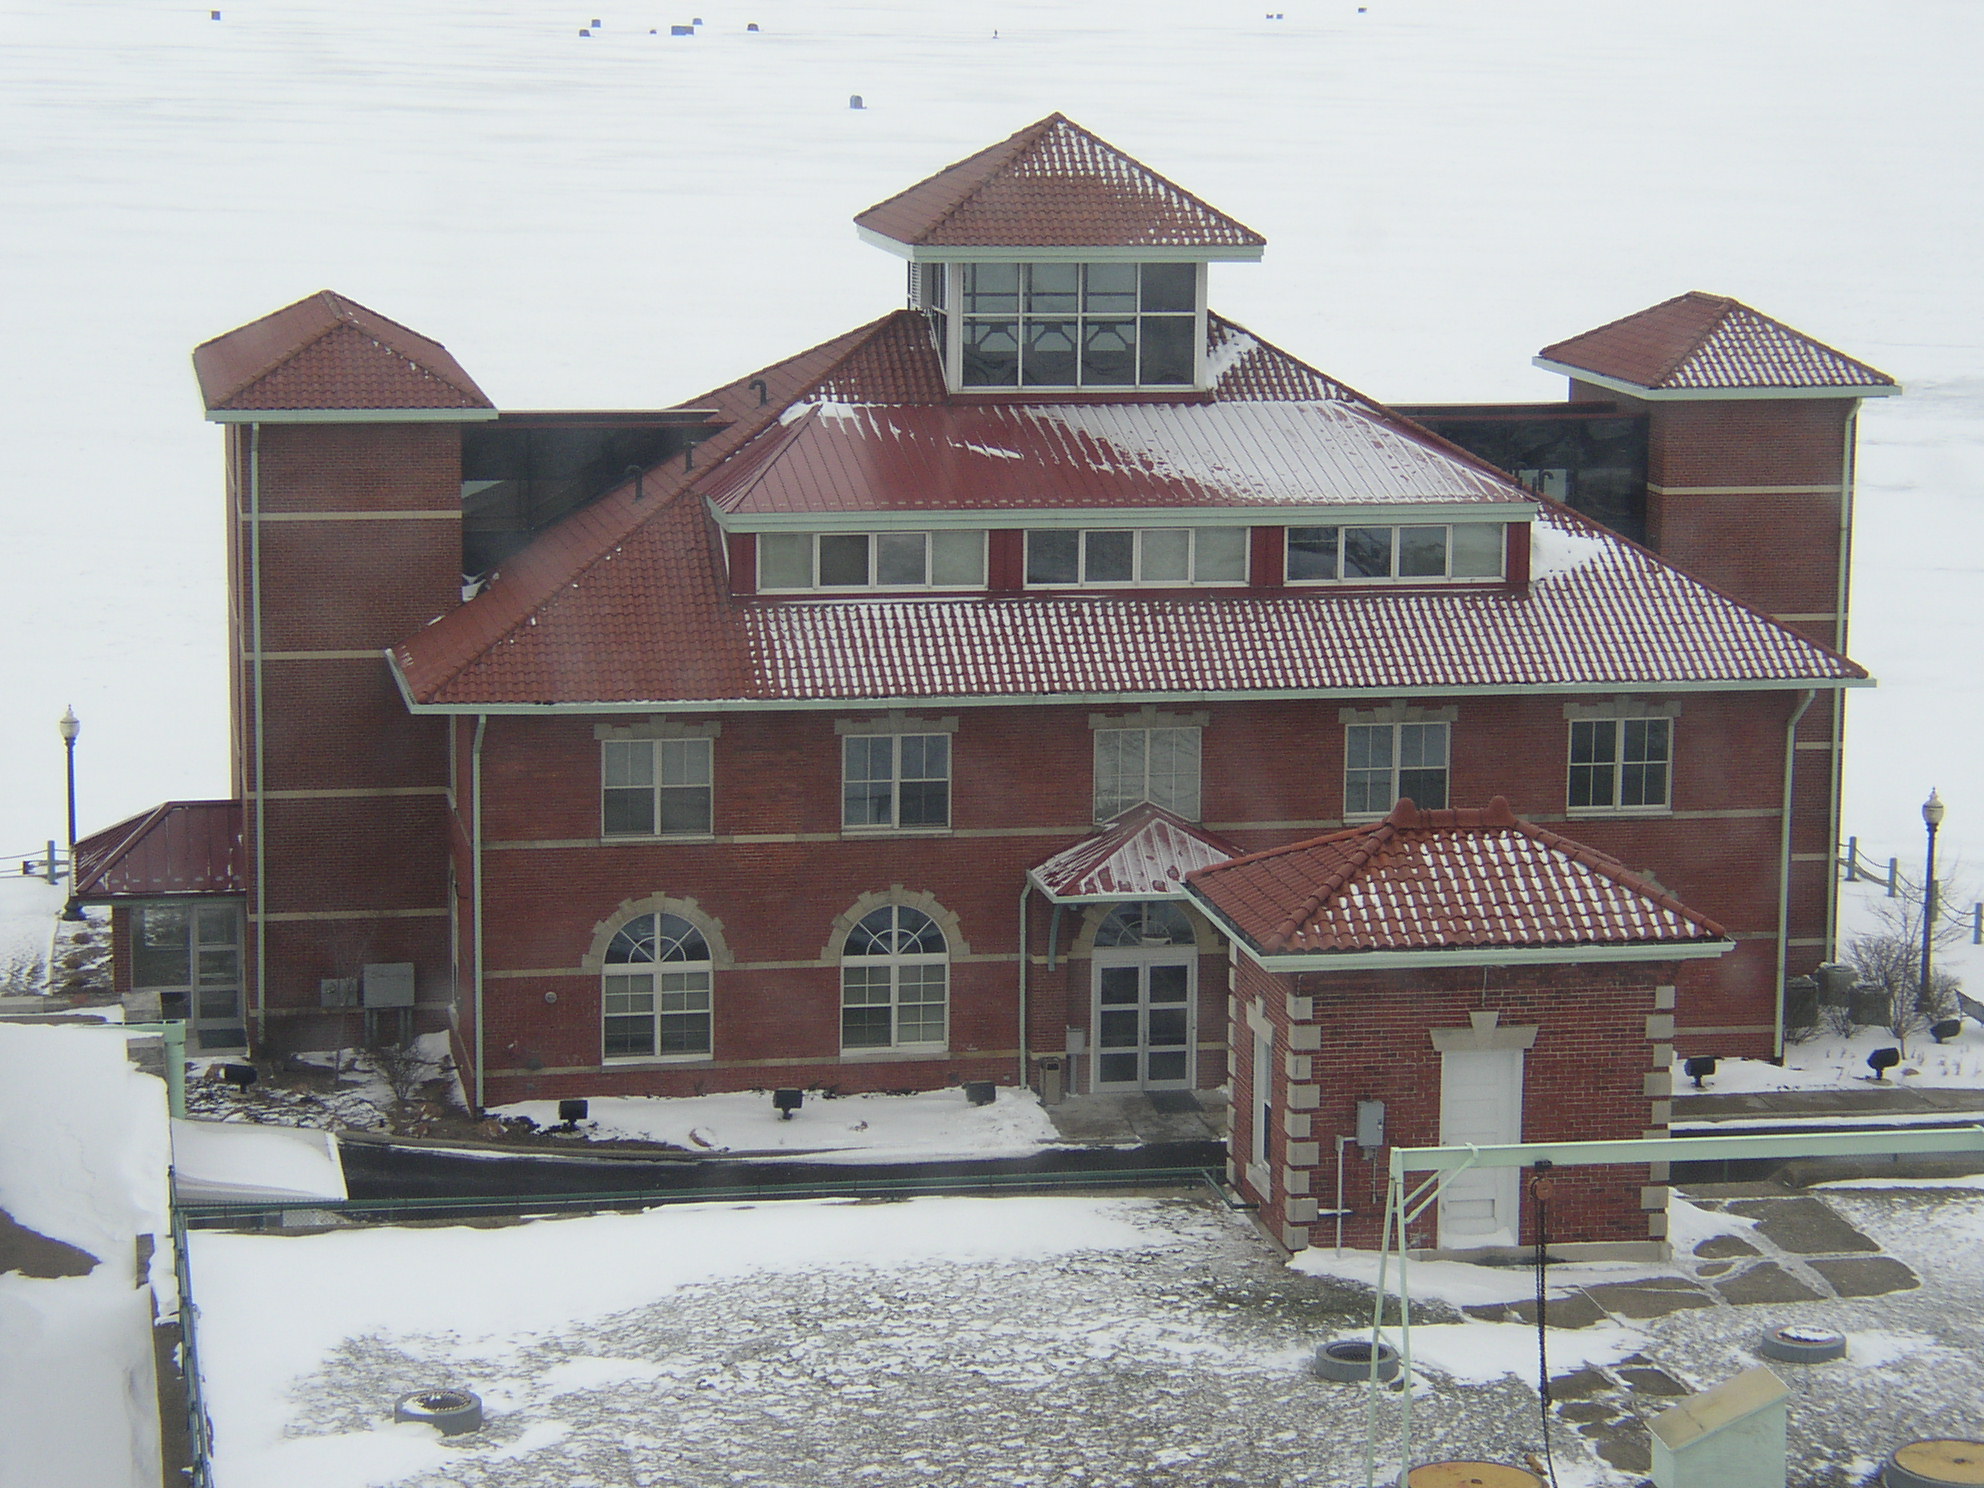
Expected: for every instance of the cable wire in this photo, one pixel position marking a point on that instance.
(1540, 1186)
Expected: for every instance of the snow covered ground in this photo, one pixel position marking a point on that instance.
(625, 219)
(930, 1126)
(1055, 1342)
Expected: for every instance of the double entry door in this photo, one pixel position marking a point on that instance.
(1143, 1018)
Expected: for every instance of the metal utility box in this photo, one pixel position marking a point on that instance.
(1732, 1436)
(389, 984)
(338, 992)
(1370, 1124)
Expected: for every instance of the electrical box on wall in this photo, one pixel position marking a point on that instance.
(1370, 1124)
(389, 984)
(338, 992)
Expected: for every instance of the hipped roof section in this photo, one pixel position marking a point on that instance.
(1456, 880)
(627, 601)
(1699, 342)
(1054, 185)
(327, 353)
(1144, 853)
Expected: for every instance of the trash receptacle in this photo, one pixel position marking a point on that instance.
(1053, 1079)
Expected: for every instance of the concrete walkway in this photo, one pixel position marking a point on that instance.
(1140, 1118)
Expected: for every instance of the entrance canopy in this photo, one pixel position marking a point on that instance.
(1145, 853)
(181, 847)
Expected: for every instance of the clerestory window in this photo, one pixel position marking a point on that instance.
(1462, 550)
(845, 561)
(1136, 556)
(1078, 324)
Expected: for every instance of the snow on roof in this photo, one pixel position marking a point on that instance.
(1442, 880)
(218, 1162)
(1109, 455)
(1053, 184)
(180, 847)
(655, 625)
(328, 352)
(1144, 853)
(1698, 342)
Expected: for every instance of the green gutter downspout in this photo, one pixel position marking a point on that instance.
(475, 816)
(260, 748)
(1025, 885)
(174, 1034)
(1784, 864)
(1848, 460)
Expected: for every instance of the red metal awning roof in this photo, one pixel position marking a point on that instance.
(1144, 853)
(181, 847)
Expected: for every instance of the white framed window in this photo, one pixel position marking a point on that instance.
(656, 990)
(655, 787)
(1621, 764)
(843, 562)
(1158, 765)
(895, 781)
(1423, 553)
(1078, 324)
(1383, 762)
(1118, 557)
(1260, 1127)
(189, 953)
(895, 982)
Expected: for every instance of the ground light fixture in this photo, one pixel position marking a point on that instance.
(785, 1102)
(1883, 1060)
(70, 726)
(1699, 1068)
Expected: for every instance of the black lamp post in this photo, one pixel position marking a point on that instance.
(1932, 818)
(70, 727)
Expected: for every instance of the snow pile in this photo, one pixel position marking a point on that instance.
(28, 907)
(215, 1163)
(83, 1161)
(930, 1126)
(1556, 548)
(1463, 1284)
(1829, 1062)
(1477, 1352)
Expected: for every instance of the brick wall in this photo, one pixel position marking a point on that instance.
(1365, 1036)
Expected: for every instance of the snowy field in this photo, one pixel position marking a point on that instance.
(930, 1126)
(1028, 1343)
(625, 219)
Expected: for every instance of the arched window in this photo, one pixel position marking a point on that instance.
(657, 989)
(1145, 922)
(894, 982)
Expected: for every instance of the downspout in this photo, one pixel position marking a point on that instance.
(260, 751)
(1848, 461)
(1025, 885)
(1784, 865)
(475, 876)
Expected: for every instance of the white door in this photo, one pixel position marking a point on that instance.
(1480, 1104)
(1143, 1018)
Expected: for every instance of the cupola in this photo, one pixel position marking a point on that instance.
(1053, 261)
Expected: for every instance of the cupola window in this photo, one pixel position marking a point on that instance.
(1074, 324)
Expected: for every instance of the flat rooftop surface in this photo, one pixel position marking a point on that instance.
(1042, 1341)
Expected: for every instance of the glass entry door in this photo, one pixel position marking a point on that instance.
(1143, 1018)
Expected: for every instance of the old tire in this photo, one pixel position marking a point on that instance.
(1802, 1345)
(1349, 1360)
(1936, 1464)
(454, 1412)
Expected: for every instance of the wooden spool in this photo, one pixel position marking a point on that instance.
(1936, 1464)
(1471, 1475)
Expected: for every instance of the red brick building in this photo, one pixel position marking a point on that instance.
(786, 736)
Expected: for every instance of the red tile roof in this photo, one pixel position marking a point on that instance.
(1053, 185)
(181, 847)
(839, 457)
(1144, 853)
(328, 352)
(627, 600)
(1442, 880)
(1700, 341)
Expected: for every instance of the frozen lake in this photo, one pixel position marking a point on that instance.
(624, 219)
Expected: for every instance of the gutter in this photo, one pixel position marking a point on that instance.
(1025, 885)
(475, 913)
(261, 734)
(1784, 864)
